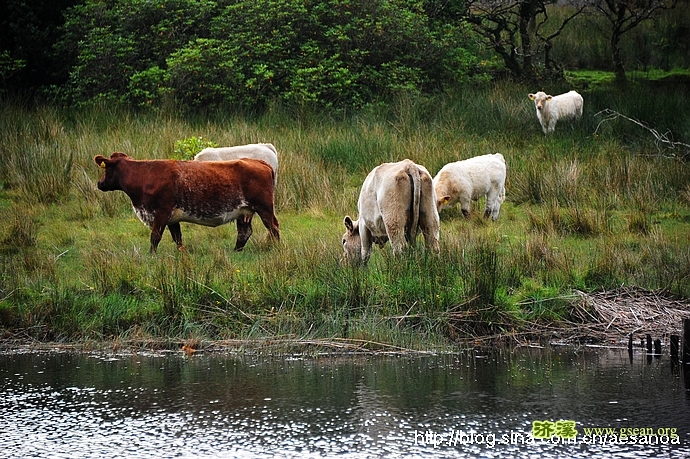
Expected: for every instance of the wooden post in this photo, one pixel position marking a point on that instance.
(657, 348)
(649, 344)
(675, 341)
(686, 341)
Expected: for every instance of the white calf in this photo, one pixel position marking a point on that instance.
(551, 109)
(469, 180)
(396, 200)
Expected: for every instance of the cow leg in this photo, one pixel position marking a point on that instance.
(430, 231)
(465, 208)
(244, 231)
(395, 228)
(366, 239)
(176, 233)
(492, 211)
(157, 229)
(268, 218)
(493, 204)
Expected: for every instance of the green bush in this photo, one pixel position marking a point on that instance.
(109, 43)
(206, 74)
(189, 147)
(247, 54)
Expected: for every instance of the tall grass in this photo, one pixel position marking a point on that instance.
(582, 212)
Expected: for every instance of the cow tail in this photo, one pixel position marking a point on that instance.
(416, 191)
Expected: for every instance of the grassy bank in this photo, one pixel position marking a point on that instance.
(583, 212)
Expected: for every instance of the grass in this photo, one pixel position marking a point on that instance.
(602, 78)
(582, 212)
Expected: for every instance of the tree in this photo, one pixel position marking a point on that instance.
(623, 16)
(107, 43)
(247, 53)
(547, 38)
(514, 30)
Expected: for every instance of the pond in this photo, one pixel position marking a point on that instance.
(522, 402)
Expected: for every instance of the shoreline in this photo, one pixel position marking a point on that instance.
(606, 319)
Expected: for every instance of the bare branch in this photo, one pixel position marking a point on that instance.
(661, 139)
(565, 22)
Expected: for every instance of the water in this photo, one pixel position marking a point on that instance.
(476, 403)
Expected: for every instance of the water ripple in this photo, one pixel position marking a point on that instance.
(148, 407)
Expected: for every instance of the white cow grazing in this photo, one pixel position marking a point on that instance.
(396, 200)
(263, 151)
(551, 109)
(469, 180)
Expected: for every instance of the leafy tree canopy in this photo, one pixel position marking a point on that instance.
(241, 54)
(247, 53)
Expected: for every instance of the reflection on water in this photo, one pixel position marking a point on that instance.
(468, 404)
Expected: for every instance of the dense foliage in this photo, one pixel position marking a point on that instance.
(239, 55)
(248, 53)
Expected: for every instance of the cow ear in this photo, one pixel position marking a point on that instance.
(549, 97)
(348, 224)
(118, 154)
(531, 96)
(445, 200)
(100, 160)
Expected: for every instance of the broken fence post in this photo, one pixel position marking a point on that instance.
(675, 342)
(686, 341)
(649, 344)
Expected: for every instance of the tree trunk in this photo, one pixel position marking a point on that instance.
(526, 13)
(511, 61)
(620, 9)
(618, 68)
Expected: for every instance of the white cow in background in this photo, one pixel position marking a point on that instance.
(470, 179)
(551, 109)
(396, 200)
(264, 151)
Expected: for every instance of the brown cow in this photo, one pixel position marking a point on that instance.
(167, 192)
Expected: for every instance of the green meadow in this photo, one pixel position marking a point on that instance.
(598, 205)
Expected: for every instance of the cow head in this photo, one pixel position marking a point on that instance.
(110, 180)
(442, 202)
(539, 99)
(352, 243)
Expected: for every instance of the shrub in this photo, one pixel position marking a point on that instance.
(189, 147)
(247, 54)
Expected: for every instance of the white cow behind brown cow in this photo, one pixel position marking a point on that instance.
(470, 179)
(396, 200)
(263, 151)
